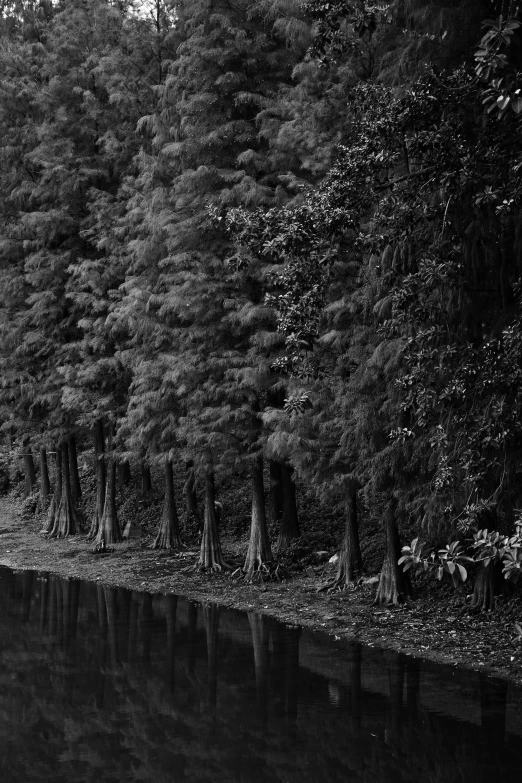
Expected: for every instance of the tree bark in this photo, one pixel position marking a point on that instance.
(394, 585)
(350, 558)
(124, 475)
(276, 492)
(29, 469)
(289, 528)
(168, 533)
(101, 478)
(146, 480)
(76, 487)
(259, 551)
(210, 556)
(45, 484)
(191, 502)
(57, 494)
(109, 528)
(65, 521)
(488, 584)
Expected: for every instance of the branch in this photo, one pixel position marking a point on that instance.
(397, 181)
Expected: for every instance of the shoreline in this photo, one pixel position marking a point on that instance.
(437, 626)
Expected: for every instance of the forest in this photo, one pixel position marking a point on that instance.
(275, 243)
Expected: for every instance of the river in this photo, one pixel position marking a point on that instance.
(106, 685)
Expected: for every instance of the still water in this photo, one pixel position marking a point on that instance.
(106, 685)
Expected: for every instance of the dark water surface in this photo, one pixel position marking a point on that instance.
(109, 686)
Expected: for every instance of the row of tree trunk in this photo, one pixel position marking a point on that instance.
(63, 515)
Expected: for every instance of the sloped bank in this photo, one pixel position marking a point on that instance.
(437, 626)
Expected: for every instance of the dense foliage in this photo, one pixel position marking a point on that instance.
(269, 232)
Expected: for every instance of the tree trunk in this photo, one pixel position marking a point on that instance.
(99, 456)
(488, 584)
(65, 521)
(57, 494)
(259, 551)
(191, 502)
(168, 533)
(350, 558)
(29, 469)
(45, 484)
(394, 585)
(76, 487)
(109, 528)
(210, 556)
(146, 480)
(124, 475)
(289, 529)
(276, 492)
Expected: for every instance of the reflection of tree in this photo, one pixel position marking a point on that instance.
(102, 646)
(132, 635)
(27, 593)
(285, 666)
(261, 646)
(70, 603)
(110, 596)
(68, 715)
(354, 668)
(145, 625)
(192, 624)
(413, 671)
(211, 614)
(44, 595)
(493, 697)
(171, 605)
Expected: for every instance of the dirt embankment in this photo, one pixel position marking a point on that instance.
(437, 626)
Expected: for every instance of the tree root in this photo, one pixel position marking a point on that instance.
(338, 585)
(101, 548)
(216, 568)
(263, 572)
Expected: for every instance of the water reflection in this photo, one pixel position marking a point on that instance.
(106, 685)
